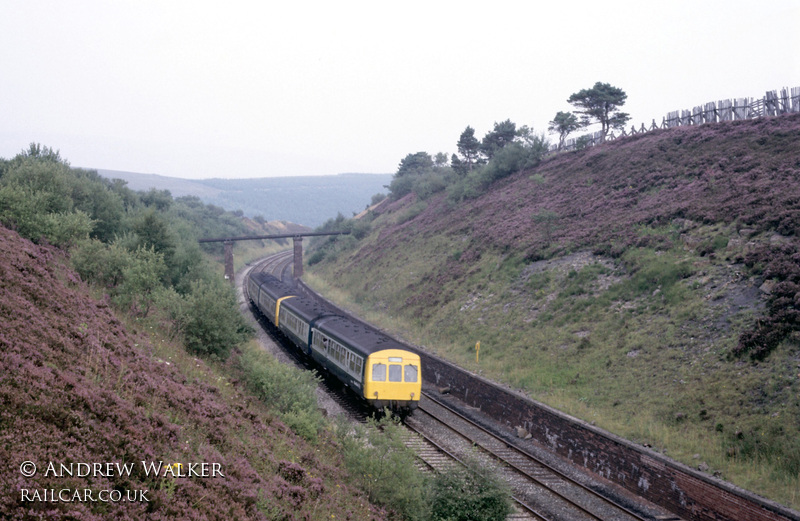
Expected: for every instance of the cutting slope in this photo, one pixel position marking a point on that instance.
(77, 387)
(649, 284)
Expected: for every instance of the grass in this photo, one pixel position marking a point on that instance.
(628, 345)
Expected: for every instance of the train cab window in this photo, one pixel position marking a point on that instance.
(410, 373)
(378, 372)
(395, 373)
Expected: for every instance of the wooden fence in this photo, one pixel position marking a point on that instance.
(772, 104)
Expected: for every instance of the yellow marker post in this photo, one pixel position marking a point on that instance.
(477, 351)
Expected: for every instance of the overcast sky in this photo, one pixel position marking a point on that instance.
(234, 88)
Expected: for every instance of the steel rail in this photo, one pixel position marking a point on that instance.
(447, 453)
(530, 456)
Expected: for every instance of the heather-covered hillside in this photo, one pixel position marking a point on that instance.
(79, 386)
(651, 285)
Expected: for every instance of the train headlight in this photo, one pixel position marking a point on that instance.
(376, 394)
(412, 396)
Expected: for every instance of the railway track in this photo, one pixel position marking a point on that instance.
(280, 265)
(443, 437)
(436, 458)
(540, 489)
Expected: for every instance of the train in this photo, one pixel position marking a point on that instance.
(377, 368)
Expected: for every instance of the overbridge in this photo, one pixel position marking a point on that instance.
(297, 240)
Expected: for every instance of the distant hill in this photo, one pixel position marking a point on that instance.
(308, 200)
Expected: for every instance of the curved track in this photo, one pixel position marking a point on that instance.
(280, 265)
(441, 436)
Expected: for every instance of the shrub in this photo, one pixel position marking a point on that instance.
(473, 493)
(360, 228)
(412, 211)
(99, 263)
(27, 213)
(141, 277)
(35, 200)
(315, 257)
(508, 160)
(214, 324)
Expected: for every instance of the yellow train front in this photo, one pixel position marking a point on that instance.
(376, 367)
(393, 380)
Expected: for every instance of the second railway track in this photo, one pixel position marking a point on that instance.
(541, 489)
(441, 436)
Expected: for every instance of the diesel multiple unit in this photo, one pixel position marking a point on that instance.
(376, 367)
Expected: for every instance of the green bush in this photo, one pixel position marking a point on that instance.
(508, 160)
(412, 211)
(141, 277)
(100, 263)
(173, 311)
(473, 493)
(36, 200)
(401, 186)
(33, 216)
(315, 257)
(214, 324)
(360, 228)
(467, 187)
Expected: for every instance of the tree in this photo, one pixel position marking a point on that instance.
(502, 134)
(154, 232)
(458, 166)
(601, 103)
(414, 164)
(36, 150)
(160, 199)
(564, 124)
(469, 148)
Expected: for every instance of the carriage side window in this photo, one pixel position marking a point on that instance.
(395, 373)
(378, 372)
(410, 373)
(319, 341)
